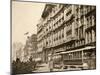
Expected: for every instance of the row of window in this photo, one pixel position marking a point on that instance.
(79, 32)
(91, 21)
(58, 36)
(79, 43)
(73, 55)
(75, 44)
(56, 9)
(52, 25)
(89, 8)
(91, 36)
(57, 21)
(68, 15)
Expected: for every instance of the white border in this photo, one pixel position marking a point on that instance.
(5, 37)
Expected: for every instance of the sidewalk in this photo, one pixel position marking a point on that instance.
(44, 68)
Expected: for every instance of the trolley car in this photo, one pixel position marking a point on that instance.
(83, 58)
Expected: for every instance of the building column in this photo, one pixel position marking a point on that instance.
(73, 29)
(93, 36)
(64, 33)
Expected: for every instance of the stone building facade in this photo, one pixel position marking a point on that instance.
(67, 33)
(30, 48)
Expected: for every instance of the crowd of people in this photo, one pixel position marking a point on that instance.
(19, 67)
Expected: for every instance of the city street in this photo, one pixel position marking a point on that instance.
(42, 68)
(53, 37)
(45, 68)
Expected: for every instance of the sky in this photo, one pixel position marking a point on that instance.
(25, 17)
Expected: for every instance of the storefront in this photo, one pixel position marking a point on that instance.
(76, 58)
(57, 61)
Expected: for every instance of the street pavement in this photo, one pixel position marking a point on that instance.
(43, 68)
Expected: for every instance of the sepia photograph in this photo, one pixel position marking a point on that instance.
(52, 37)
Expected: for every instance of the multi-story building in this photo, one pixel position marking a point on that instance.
(17, 51)
(67, 34)
(30, 48)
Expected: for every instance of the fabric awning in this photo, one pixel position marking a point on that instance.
(86, 48)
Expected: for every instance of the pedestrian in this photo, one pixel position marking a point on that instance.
(85, 66)
(51, 65)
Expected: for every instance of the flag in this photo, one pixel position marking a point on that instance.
(26, 33)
